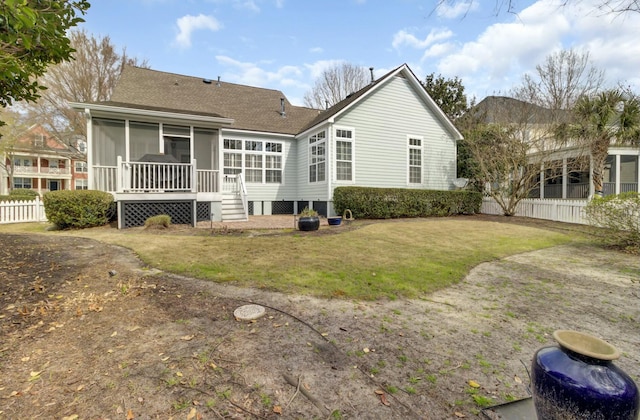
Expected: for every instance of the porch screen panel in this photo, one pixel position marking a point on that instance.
(108, 141)
(143, 139)
(204, 141)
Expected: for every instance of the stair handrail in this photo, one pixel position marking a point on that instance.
(243, 195)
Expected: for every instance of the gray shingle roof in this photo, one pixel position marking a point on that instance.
(251, 108)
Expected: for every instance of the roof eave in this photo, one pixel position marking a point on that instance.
(110, 110)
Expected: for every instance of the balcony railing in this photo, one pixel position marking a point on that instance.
(44, 170)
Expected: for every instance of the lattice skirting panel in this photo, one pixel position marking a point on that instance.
(250, 209)
(320, 207)
(282, 207)
(136, 212)
(203, 211)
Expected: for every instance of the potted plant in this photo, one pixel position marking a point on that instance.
(308, 220)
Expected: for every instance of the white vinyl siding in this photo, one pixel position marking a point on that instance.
(344, 139)
(382, 121)
(414, 159)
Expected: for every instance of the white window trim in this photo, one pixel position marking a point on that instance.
(409, 147)
(352, 140)
(326, 156)
(262, 153)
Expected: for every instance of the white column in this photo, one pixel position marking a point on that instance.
(618, 174)
(564, 177)
(542, 180)
(90, 174)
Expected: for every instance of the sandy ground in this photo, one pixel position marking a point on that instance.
(88, 332)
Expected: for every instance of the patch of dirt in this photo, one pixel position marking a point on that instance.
(86, 330)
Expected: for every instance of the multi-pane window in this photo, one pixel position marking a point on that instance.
(21, 162)
(344, 155)
(318, 157)
(273, 169)
(415, 160)
(260, 161)
(81, 166)
(253, 167)
(22, 183)
(82, 184)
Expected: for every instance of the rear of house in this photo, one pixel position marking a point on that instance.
(198, 149)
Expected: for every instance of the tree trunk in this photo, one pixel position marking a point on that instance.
(599, 153)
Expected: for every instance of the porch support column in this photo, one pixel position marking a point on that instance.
(564, 177)
(89, 150)
(618, 173)
(194, 213)
(638, 173)
(542, 180)
(39, 178)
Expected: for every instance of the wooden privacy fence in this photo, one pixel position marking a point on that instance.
(569, 211)
(22, 211)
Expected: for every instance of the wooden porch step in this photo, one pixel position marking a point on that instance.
(232, 209)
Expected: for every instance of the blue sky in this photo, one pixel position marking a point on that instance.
(286, 44)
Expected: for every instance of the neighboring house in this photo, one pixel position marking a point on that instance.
(567, 173)
(41, 162)
(200, 149)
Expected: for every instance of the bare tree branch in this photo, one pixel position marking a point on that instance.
(335, 84)
(89, 77)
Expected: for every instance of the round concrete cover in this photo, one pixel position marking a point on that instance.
(249, 312)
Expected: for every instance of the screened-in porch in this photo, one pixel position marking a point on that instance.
(570, 178)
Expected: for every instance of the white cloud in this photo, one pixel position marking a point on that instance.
(316, 69)
(187, 24)
(452, 11)
(438, 50)
(316, 50)
(249, 5)
(253, 74)
(403, 37)
(496, 60)
(279, 4)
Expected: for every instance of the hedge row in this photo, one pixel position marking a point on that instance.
(78, 209)
(388, 203)
(20, 194)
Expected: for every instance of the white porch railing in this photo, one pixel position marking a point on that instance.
(207, 180)
(568, 211)
(104, 178)
(22, 211)
(156, 177)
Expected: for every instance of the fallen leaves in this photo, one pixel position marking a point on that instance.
(383, 397)
(34, 376)
(473, 384)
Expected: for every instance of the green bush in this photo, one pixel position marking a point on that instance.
(619, 216)
(22, 194)
(78, 209)
(158, 221)
(388, 203)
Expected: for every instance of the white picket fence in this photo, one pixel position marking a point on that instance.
(569, 211)
(22, 211)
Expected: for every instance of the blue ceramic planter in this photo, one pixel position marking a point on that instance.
(578, 380)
